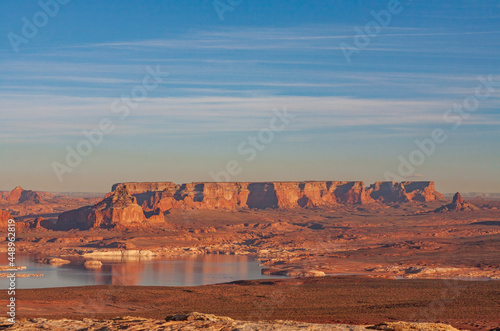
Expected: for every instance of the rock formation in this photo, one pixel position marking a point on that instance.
(119, 210)
(236, 195)
(458, 204)
(15, 194)
(404, 192)
(4, 219)
(39, 223)
(19, 195)
(131, 203)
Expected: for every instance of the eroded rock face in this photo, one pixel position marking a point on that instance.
(131, 203)
(404, 192)
(457, 200)
(4, 219)
(119, 210)
(19, 195)
(39, 223)
(15, 194)
(458, 204)
(238, 195)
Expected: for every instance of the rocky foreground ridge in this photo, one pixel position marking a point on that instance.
(131, 204)
(195, 321)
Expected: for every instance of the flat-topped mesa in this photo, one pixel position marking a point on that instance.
(164, 196)
(407, 191)
(138, 187)
(131, 204)
(238, 195)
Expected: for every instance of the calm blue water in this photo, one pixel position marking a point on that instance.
(186, 271)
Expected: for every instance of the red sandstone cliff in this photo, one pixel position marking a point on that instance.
(237, 195)
(128, 203)
(404, 192)
(119, 210)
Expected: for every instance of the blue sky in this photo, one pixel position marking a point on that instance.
(353, 120)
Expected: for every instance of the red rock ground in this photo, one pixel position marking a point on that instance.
(352, 300)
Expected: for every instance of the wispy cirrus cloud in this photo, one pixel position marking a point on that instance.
(217, 86)
(70, 115)
(275, 38)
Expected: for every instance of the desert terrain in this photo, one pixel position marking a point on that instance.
(353, 254)
(323, 300)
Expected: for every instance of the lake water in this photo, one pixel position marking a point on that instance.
(186, 271)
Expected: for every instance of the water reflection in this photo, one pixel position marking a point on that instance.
(186, 271)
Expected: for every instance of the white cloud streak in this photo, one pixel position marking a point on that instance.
(39, 116)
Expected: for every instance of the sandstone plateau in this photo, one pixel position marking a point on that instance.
(154, 200)
(234, 195)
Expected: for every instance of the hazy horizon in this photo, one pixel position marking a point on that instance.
(104, 191)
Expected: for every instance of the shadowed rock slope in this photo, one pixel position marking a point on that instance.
(118, 210)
